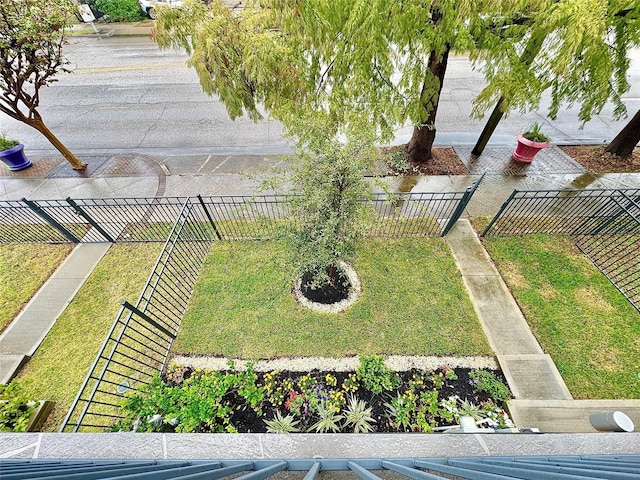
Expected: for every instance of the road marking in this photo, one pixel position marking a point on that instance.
(131, 68)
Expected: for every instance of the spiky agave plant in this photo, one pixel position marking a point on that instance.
(358, 416)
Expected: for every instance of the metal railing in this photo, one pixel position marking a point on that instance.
(556, 211)
(139, 341)
(232, 217)
(479, 467)
(613, 244)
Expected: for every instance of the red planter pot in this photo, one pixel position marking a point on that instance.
(526, 149)
(15, 159)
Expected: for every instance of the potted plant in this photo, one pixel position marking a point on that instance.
(530, 143)
(12, 154)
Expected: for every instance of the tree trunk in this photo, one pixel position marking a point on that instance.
(421, 143)
(627, 139)
(489, 128)
(534, 45)
(39, 125)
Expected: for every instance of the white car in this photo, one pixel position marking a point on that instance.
(149, 6)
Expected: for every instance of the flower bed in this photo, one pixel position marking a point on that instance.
(371, 399)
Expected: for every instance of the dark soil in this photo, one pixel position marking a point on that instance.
(327, 294)
(596, 160)
(248, 421)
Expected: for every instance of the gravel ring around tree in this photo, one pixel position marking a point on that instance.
(354, 293)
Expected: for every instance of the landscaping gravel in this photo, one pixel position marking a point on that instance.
(396, 363)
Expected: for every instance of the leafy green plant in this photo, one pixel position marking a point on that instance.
(358, 416)
(281, 424)
(7, 143)
(400, 409)
(15, 408)
(486, 381)
(120, 10)
(329, 422)
(469, 409)
(535, 133)
(375, 375)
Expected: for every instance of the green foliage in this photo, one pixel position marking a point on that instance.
(329, 177)
(375, 375)
(120, 10)
(15, 408)
(31, 37)
(329, 422)
(534, 133)
(7, 143)
(357, 416)
(486, 381)
(281, 424)
(577, 49)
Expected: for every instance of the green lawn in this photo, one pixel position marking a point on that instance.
(590, 330)
(413, 302)
(24, 267)
(62, 361)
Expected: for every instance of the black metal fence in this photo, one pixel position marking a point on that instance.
(231, 217)
(605, 225)
(138, 344)
(613, 244)
(139, 341)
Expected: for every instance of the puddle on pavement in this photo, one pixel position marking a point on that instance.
(584, 180)
(407, 184)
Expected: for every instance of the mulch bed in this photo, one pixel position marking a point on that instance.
(596, 160)
(445, 161)
(592, 157)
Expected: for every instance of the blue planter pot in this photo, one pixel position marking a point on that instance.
(15, 159)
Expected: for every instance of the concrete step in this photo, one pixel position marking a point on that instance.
(569, 416)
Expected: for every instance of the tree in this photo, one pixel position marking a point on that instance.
(32, 33)
(627, 139)
(382, 60)
(577, 49)
(328, 178)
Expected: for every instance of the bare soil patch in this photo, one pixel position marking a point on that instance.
(596, 160)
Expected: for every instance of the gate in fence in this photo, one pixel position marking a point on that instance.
(604, 223)
(139, 341)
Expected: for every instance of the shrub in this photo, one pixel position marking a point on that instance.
(487, 382)
(15, 408)
(375, 375)
(120, 10)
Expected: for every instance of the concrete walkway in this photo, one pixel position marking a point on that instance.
(542, 399)
(24, 335)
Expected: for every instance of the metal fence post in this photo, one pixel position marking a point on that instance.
(502, 209)
(462, 204)
(49, 219)
(92, 222)
(213, 224)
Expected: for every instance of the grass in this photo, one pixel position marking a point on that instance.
(590, 330)
(24, 267)
(413, 302)
(62, 361)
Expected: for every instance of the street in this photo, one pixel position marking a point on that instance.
(125, 94)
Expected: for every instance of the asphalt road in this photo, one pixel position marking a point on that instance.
(126, 94)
